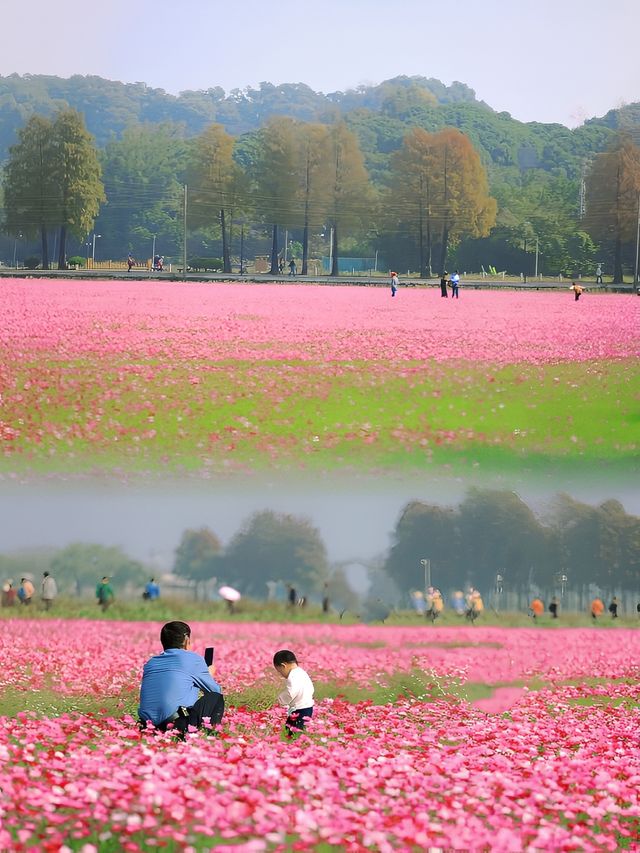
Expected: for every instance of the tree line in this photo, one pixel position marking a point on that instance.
(425, 198)
(490, 533)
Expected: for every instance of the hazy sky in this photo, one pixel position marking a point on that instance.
(549, 60)
(356, 515)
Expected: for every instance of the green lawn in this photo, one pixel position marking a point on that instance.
(90, 415)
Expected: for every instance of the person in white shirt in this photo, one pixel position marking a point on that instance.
(298, 693)
(394, 283)
(455, 284)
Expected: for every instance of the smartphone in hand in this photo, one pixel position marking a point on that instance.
(208, 655)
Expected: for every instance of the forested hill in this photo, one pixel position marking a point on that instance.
(380, 114)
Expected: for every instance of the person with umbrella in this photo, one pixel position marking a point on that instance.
(231, 596)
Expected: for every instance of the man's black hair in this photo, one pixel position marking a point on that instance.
(284, 656)
(173, 634)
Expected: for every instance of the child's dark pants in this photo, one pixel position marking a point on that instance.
(297, 719)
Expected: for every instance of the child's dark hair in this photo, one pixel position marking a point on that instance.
(284, 656)
(173, 634)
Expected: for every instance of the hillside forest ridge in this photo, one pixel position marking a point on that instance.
(409, 174)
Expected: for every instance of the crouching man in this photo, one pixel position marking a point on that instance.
(178, 688)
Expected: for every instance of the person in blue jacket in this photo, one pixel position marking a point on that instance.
(178, 689)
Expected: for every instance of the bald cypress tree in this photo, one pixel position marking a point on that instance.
(351, 195)
(613, 194)
(77, 173)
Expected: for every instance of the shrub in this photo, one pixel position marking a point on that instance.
(76, 261)
(206, 264)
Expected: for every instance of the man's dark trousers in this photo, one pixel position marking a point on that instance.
(209, 705)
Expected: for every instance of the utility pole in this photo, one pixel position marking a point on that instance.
(184, 237)
(635, 274)
(331, 250)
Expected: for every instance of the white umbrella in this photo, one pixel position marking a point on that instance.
(229, 593)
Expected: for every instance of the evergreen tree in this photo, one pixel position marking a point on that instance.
(144, 174)
(30, 189)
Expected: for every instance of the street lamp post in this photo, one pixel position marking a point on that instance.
(426, 565)
(563, 585)
(153, 251)
(93, 247)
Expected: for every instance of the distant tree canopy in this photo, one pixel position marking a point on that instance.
(613, 196)
(439, 192)
(144, 173)
(78, 568)
(275, 546)
(219, 185)
(490, 532)
(53, 179)
(495, 532)
(196, 555)
(315, 165)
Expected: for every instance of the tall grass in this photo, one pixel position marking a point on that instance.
(167, 608)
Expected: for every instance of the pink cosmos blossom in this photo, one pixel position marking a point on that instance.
(552, 773)
(293, 322)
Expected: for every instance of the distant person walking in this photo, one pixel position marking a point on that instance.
(537, 608)
(455, 285)
(394, 283)
(444, 281)
(613, 608)
(104, 594)
(292, 596)
(599, 274)
(577, 289)
(553, 608)
(26, 591)
(48, 590)
(9, 595)
(151, 590)
(131, 261)
(597, 609)
(292, 267)
(325, 599)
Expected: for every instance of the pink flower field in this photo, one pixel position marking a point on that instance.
(152, 320)
(556, 767)
(237, 377)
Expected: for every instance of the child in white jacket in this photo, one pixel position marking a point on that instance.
(298, 693)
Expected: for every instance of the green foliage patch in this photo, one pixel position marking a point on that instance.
(322, 416)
